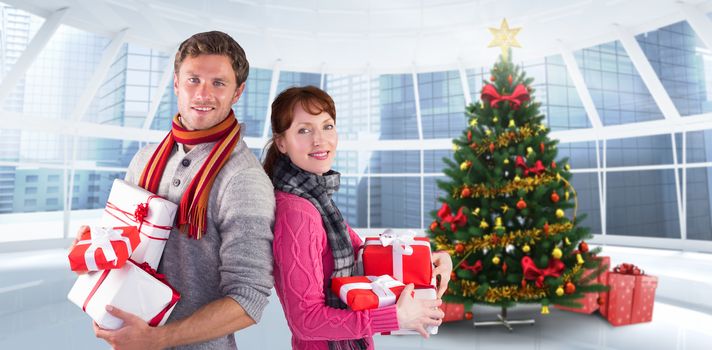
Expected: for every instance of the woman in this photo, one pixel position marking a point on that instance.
(313, 243)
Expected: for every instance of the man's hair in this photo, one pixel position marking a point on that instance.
(215, 43)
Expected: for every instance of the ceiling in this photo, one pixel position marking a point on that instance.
(374, 36)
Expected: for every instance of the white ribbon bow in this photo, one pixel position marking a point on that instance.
(101, 238)
(380, 285)
(401, 242)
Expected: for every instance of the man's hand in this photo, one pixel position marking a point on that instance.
(134, 334)
(443, 267)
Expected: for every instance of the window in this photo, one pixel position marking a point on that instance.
(30, 190)
(31, 178)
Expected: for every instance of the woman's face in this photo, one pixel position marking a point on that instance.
(310, 142)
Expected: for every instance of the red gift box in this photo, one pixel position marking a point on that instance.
(589, 302)
(101, 248)
(405, 257)
(367, 292)
(631, 297)
(453, 312)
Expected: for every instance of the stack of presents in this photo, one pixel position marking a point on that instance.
(388, 263)
(117, 260)
(629, 300)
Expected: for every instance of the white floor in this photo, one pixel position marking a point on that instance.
(34, 313)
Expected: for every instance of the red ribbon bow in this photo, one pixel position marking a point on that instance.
(537, 169)
(531, 272)
(518, 96)
(445, 215)
(476, 267)
(628, 269)
(141, 212)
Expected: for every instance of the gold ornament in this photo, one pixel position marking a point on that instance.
(505, 208)
(476, 212)
(498, 222)
(559, 213)
(483, 224)
(482, 105)
(495, 119)
(560, 291)
(465, 165)
(567, 241)
(526, 248)
(567, 167)
(506, 161)
(579, 259)
(517, 178)
(473, 122)
(488, 132)
(495, 260)
(455, 147)
(504, 37)
(511, 123)
(544, 309)
(530, 150)
(556, 253)
(558, 177)
(566, 195)
(542, 127)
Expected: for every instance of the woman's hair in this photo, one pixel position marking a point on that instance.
(312, 99)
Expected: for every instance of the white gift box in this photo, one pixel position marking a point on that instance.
(130, 205)
(426, 294)
(130, 288)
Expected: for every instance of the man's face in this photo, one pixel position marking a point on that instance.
(206, 90)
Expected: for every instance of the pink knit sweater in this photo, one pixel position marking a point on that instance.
(303, 264)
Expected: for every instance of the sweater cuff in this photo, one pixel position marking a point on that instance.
(384, 319)
(251, 301)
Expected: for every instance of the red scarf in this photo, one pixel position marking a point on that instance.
(193, 208)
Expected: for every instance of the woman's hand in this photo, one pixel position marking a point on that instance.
(443, 268)
(418, 314)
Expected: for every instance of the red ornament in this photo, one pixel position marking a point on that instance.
(492, 78)
(569, 288)
(453, 276)
(546, 228)
(433, 226)
(583, 247)
(468, 315)
(469, 135)
(459, 248)
(553, 164)
(465, 192)
(494, 239)
(509, 79)
(511, 135)
(554, 197)
(524, 283)
(541, 147)
(504, 267)
(491, 147)
(600, 301)
(521, 205)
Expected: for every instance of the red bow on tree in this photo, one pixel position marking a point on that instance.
(456, 221)
(518, 96)
(537, 169)
(628, 269)
(533, 273)
(475, 268)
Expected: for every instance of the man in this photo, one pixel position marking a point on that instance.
(220, 257)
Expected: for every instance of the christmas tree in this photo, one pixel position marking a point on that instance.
(509, 221)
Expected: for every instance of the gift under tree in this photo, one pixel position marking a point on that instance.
(509, 220)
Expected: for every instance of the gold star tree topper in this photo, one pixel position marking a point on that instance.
(504, 37)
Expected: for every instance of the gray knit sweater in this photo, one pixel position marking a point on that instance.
(234, 256)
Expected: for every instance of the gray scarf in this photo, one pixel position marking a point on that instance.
(289, 178)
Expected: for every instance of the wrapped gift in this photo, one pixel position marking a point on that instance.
(101, 248)
(135, 288)
(418, 293)
(590, 301)
(405, 257)
(130, 205)
(453, 311)
(631, 297)
(367, 292)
